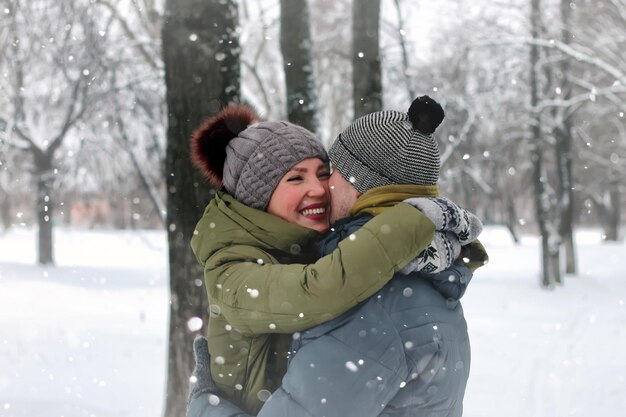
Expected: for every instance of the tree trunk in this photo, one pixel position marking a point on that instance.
(202, 75)
(511, 218)
(548, 278)
(612, 228)
(5, 209)
(44, 206)
(570, 252)
(608, 208)
(566, 206)
(564, 152)
(295, 44)
(366, 66)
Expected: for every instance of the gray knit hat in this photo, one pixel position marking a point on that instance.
(390, 147)
(249, 157)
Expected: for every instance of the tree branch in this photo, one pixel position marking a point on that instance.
(477, 177)
(71, 116)
(12, 127)
(469, 122)
(126, 28)
(544, 104)
(599, 63)
(405, 59)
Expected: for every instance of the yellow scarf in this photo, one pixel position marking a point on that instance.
(378, 199)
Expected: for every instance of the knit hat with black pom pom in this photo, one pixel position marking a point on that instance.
(249, 157)
(390, 147)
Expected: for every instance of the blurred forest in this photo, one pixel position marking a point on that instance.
(534, 92)
(538, 146)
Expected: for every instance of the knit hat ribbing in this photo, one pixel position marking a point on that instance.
(251, 158)
(386, 147)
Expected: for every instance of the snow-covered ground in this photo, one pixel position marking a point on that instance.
(87, 337)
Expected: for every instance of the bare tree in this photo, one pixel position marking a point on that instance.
(134, 114)
(550, 271)
(563, 146)
(201, 56)
(600, 82)
(580, 89)
(53, 85)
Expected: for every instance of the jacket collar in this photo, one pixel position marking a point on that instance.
(227, 222)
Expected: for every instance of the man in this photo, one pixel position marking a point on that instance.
(405, 351)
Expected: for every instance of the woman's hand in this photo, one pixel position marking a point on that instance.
(449, 217)
(438, 256)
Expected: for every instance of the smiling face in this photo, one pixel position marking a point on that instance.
(301, 197)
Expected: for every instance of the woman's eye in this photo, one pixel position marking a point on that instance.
(324, 175)
(296, 178)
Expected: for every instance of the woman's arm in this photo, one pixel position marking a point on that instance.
(259, 297)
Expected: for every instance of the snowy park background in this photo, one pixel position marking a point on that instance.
(534, 141)
(88, 336)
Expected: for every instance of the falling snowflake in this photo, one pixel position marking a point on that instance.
(194, 324)
(351, 366)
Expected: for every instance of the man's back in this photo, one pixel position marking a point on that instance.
(436, 347)
(403, 352)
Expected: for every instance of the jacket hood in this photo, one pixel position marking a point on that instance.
(227, 222)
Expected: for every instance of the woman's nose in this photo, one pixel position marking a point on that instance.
(317, 188)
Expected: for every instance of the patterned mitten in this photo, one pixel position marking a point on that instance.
(449, 217)
(439, 255)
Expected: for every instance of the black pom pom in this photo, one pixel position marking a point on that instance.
(425, 114)
(208, 142)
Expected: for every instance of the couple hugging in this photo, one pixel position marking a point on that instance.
(332, 293)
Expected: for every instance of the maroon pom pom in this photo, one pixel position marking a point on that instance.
(208, 142)
(425, 114)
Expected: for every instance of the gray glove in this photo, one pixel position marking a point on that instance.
(203, 399)
(438, 256)
(448, 217)
(201, 381)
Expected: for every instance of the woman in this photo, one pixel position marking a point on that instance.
(253, 238)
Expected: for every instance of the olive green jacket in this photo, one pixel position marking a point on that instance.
(252, 290)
